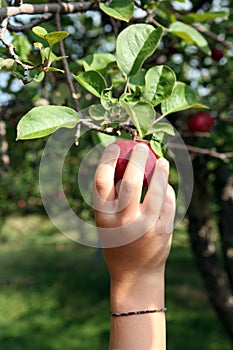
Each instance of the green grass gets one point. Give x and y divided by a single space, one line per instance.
54 293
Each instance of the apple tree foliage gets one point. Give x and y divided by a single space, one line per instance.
129 64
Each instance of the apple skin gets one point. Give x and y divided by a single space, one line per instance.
200 122
217 54
126 147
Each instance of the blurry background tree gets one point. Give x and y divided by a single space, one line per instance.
197 43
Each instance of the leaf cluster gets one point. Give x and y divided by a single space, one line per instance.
147 95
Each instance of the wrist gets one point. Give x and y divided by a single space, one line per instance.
137 294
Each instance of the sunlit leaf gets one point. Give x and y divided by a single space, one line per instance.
160 81
53 69
134 45
39 31
182 98
119 9
205 16
156 147
7 64
92 81
161 127
44 120
190 35
37 75
142 115
97 61
55 37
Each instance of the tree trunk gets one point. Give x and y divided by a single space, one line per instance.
224 194
215 278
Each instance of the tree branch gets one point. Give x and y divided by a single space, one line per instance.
25 27
66 65
8 44
45 8
4 157
209 152
213 36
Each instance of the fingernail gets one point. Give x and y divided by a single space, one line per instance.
142 147
113 147
163 163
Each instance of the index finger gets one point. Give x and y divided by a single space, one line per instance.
104 177
155 196
131 186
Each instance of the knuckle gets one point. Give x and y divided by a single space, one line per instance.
99 182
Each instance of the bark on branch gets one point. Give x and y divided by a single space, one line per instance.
216 279
45 8
224 192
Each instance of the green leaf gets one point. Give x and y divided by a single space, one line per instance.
22 46
40 46
97 61
206 16
142 115
161 127
55 37
53 69
39 31
190 35
44 120
134 45
37 75
182 98
97 112
92 81
156 147
119 9
48 54
7 64
102 139
160 81
137 80
107 101
52 37
19 72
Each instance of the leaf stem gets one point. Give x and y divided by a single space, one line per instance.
158 119
127 87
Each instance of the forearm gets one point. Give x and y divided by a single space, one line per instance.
138 332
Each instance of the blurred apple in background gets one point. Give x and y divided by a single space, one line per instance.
217 54
200 122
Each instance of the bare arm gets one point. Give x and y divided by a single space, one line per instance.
137 267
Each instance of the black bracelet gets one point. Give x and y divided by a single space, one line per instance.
140 312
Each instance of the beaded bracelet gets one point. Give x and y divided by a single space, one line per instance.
140 312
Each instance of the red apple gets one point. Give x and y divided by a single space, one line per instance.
200 122
21 204
12 121
126 147
217 54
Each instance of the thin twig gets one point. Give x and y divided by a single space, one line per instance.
226 120
151 19
109 130
213 36
66 65
10 46
209 152
25 27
